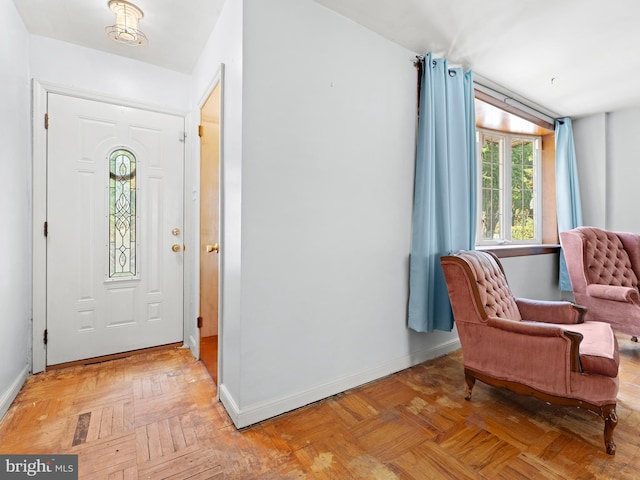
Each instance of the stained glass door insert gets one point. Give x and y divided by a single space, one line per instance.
122 214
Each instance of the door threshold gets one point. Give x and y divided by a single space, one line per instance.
113 356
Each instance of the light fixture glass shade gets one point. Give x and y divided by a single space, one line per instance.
125 29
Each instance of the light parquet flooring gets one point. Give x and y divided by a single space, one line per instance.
154 416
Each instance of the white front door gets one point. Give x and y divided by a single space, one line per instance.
114 221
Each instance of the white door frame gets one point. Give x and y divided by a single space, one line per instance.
218 79
40 90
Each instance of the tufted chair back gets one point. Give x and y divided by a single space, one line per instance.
606 262
604 268
487 283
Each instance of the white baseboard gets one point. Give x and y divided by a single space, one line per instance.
230 405
194 346
257 413
12 392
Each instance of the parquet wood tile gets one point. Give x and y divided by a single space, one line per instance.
525 467
154 416
430 460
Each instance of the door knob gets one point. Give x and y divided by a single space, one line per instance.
177 247
213 248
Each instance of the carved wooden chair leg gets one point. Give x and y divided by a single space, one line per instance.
610 421
470 381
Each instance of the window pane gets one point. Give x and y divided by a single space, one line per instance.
522 181
122 214
491 188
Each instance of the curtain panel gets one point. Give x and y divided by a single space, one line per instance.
444 208
569 206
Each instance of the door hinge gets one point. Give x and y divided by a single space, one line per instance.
200 130
199 322
45 337
46 121
46 229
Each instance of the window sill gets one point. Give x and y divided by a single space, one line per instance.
505 251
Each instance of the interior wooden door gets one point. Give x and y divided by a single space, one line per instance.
209 229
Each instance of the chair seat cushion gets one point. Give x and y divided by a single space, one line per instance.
598 349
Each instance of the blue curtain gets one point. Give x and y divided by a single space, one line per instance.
567 190
444 206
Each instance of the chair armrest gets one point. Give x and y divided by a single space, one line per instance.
526 328
611 292
540 329
557 312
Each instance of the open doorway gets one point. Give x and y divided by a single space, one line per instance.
209 131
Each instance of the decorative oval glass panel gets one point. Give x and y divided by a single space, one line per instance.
122 214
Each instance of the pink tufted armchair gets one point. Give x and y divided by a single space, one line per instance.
539 348
604 268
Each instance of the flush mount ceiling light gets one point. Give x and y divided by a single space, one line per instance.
125 29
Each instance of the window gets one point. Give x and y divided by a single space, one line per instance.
122 214
509 207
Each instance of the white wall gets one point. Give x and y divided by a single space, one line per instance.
609 168
327 181
69 65
15 198
224 47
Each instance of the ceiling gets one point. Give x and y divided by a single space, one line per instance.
177 29
568 57
571 57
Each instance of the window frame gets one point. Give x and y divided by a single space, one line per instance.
506 187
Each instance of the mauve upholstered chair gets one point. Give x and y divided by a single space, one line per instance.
544 349
604 268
